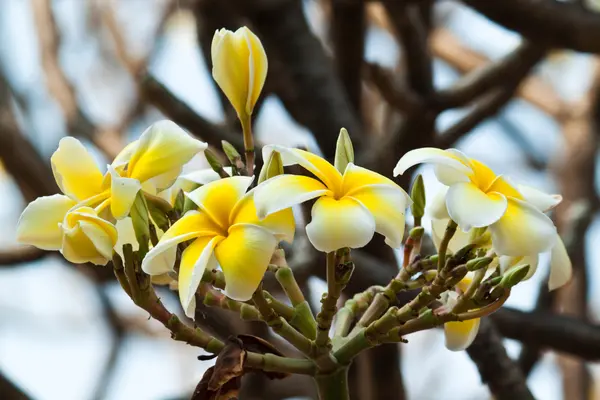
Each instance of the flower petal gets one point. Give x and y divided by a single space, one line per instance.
39 224
87 237
75 171
122 193
193 224
540 200
162 148
437 206
280 223
507 263
244 257
459 335
197 257
218 198
433 156
387 204
472 208
339 223
561 269
356 177
258 66
318 166
458 241
126 236
285 191
523 229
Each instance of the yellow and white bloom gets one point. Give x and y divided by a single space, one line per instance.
239 68
460 334
153 163
477 197
227 231
350 208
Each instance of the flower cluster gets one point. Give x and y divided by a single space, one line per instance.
188 225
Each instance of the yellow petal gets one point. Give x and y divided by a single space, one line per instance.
356 177
126 236
470 208
193 224
561 269
523 229
75 171
540 200
163 148
503 186
87 237
280 223
197 257
218 198
230 53
339 223
123 192
244 257
386 203
39 224
483 176
460 335
258 65
433 156
318 166
285 191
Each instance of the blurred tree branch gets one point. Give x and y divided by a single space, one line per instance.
10 391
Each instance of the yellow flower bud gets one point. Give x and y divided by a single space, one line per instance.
87 237
239 67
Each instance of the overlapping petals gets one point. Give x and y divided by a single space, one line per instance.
477 198
225 231
350 208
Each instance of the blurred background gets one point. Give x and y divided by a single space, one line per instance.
514 84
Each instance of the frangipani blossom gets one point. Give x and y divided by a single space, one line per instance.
560 263
225 231
477 197
460 334
153 163
350 208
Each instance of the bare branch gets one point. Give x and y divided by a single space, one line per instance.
21 254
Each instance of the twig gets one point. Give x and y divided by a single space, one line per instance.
19 255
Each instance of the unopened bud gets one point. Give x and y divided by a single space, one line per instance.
141 221
479 263
232 154
416 233
272 167
417 193
215 164
514 276
344 152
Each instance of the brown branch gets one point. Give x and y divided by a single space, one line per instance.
551 23
10 391
22 254
400 97
348 26
496 368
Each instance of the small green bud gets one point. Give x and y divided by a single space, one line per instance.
417 194
232 154
416 233
215 164
141 221
158 209
479 263
179 201
344 152
273 167
514 276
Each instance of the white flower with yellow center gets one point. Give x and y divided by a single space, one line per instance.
350 208
153 163
225 231
477 197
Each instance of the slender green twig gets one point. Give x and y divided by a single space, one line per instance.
448 234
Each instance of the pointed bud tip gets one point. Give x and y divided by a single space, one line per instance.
514 276
344 151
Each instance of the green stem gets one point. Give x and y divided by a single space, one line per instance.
248 143
273 363
333 386
328 305
450 231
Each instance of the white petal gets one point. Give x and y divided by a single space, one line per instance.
523 229
561 268
433 156
540 200
458 241
506 263
39 224
437 205
285 191
470 208
459 335
123 193
339 223
126 236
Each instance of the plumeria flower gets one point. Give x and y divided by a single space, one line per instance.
477 197
560 263
151 163
225 231
190 181
350 208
